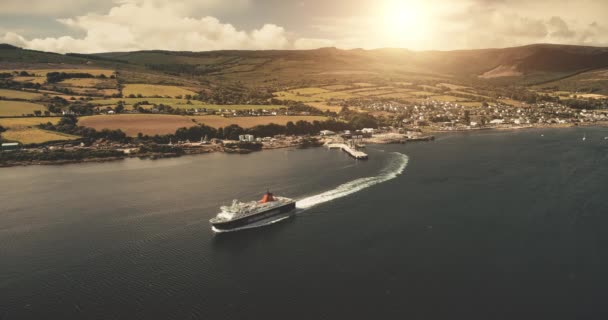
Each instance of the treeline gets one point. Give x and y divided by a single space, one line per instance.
586 104
232 132
57 155
236 95
54 77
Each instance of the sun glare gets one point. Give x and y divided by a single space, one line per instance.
403 21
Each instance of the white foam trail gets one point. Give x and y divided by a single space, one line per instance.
394 169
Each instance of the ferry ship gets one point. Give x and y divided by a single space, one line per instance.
244 215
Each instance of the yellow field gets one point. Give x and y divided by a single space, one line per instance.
18 108
422 93
38 80
592 96
448 98
21 123
370 93
248 122
308 91
18 94
89 82
336 87
323 106
284 95
396 95
149 90
132 124
470 104
35 135
452 86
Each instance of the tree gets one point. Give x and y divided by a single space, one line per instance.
37 113
232 132
467 117
120 107
2 129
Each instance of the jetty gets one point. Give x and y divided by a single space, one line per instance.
353 152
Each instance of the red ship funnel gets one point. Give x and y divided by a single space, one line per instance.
267 198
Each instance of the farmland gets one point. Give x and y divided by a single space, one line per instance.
17 123
18 94
18 108
132 124
23 130
35 135
89 82
248 122
148 90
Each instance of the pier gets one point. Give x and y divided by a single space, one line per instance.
353 152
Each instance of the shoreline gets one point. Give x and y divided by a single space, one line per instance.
544 126
190 151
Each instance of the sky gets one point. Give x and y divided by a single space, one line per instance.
88 26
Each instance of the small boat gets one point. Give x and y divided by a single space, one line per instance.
585 137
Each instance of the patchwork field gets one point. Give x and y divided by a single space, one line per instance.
132 124
18 108
18 94
183 104
248 122
148 90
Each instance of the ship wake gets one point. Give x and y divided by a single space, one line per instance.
392 171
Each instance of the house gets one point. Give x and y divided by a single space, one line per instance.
9 146
246 138
327 133
368 130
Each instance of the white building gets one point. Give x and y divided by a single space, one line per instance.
368 130
247 138
327 133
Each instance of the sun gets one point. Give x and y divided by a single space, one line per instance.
403 20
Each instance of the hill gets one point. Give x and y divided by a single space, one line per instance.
533 64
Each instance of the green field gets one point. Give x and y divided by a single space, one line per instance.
18 108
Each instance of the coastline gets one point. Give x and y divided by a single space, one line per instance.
190 150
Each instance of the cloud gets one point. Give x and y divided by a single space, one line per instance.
46 7
137 25
560 28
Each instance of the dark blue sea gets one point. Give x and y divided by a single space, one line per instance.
492 225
